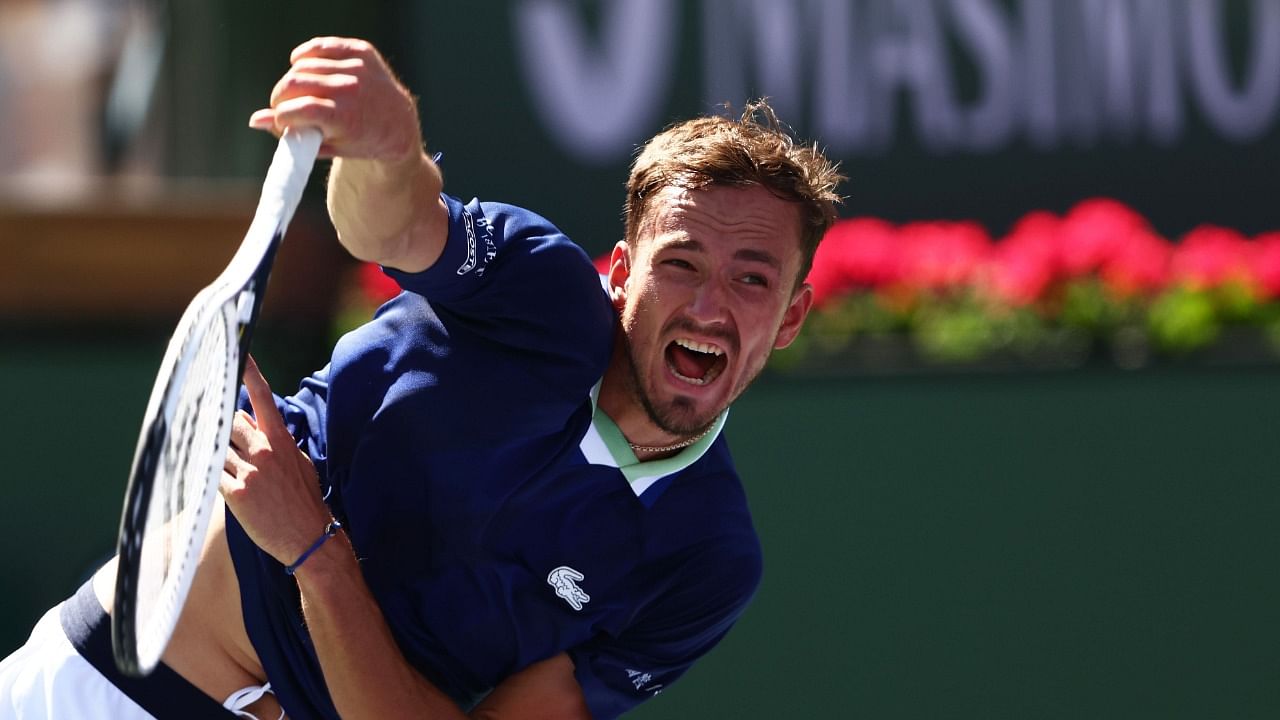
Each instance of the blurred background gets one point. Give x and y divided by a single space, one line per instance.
1023 463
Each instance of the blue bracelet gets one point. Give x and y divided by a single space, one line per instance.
329 531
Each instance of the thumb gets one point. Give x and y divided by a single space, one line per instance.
264 119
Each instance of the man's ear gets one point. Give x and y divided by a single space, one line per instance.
793 318
619 272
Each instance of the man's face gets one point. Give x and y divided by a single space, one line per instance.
706 293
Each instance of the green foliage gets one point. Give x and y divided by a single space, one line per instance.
1182 320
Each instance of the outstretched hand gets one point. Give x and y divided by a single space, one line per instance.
344 87
267 481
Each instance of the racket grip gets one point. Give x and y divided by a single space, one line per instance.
304 141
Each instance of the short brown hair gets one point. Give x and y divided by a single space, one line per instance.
754 150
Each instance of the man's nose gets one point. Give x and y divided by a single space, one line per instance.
709 304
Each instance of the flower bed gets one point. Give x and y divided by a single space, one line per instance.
1056 291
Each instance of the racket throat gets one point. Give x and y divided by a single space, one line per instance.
245 305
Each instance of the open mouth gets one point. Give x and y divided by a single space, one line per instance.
694 362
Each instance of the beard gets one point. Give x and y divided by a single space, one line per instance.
678 416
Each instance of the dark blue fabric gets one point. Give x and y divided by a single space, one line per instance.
164 693
446 433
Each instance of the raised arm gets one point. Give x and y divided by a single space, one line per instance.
384 191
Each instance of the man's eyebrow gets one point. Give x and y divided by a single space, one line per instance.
760 256
742 254
682 244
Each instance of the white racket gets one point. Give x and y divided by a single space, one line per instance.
187 426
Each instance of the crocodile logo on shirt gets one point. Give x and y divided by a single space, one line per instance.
565 580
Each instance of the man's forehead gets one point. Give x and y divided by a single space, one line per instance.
757 231
670 204
733 206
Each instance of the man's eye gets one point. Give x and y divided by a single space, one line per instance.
678 263
753 279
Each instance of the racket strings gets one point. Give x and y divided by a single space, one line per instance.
194 449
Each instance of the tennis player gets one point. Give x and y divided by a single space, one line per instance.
508 494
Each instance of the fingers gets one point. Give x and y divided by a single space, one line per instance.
299 84
327 66
243 430
333 47
344 88
318 113
321 68
236 466
244 439
265 119
308 112
269 421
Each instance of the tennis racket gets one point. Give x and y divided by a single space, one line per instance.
187 427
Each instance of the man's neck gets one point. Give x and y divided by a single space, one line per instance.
619 400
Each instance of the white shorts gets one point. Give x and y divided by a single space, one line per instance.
66 670
47 678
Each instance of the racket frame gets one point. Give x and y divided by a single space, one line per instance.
234 300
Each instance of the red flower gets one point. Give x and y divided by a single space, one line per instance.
1267 263
1211 256
1025 262
1138 265
856 253
377 285
942 255
1092 233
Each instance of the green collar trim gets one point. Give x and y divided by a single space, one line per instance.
605 444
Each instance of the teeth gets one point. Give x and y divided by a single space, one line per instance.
706 349
699 347
692 381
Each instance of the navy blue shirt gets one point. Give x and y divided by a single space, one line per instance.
499 518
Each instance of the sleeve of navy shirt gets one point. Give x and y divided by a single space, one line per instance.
519 308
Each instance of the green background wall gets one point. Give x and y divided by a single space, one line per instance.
478 103
1079 544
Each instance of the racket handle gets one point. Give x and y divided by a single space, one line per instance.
303 142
